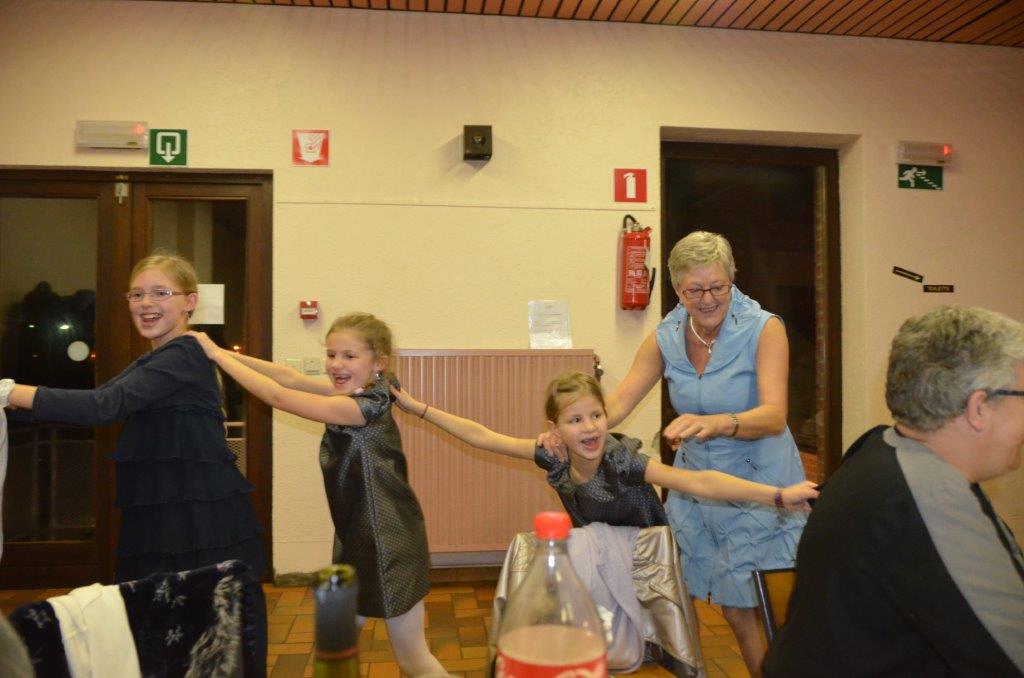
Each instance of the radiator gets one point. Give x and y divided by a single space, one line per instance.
476 501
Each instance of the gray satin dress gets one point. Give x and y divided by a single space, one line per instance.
378 522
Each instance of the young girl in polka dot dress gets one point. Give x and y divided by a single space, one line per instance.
378 523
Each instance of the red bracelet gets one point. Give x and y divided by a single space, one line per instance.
778 498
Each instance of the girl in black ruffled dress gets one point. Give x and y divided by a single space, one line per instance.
377 520
183 502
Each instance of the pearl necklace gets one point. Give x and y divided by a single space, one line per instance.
707 344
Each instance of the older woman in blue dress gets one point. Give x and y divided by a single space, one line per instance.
726 361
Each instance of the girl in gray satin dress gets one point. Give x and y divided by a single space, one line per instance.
378 523
605 478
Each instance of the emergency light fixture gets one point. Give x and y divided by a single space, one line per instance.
923 153
131 134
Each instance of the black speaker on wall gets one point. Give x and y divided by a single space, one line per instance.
476 142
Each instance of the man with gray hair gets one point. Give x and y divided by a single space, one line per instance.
904 568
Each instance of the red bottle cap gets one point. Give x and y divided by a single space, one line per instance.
552 525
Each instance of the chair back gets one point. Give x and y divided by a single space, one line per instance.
774 587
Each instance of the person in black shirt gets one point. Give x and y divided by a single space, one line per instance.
904 568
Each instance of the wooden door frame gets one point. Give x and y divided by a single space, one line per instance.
828 321
116 218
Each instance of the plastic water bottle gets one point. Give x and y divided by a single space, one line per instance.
550 626
337 633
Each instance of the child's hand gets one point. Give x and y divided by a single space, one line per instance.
406 402
552 442
795 496
209 348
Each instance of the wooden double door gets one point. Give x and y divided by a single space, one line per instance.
68 241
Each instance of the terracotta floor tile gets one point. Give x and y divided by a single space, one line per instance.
465 664
289 648
446 648
472 635
277 633
289 666
304 623
442 632
474 652
301 637
384 670
734 668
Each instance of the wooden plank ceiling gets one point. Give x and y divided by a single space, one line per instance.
978 22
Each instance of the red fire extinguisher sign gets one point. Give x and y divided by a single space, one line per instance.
636 278
630 185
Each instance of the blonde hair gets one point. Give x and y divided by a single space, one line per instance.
697 249
178 268
567 388
374 331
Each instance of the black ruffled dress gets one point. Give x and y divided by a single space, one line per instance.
183 502
378 522
617 494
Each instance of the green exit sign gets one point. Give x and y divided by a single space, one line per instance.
168 147
923 177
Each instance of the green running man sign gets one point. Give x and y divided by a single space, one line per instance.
923 177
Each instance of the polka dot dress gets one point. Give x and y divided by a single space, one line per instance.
378 522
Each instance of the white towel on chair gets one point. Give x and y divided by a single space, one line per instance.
602 556
94 628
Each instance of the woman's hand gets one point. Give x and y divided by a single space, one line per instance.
698 427
552 442
207 344
407 403
795 497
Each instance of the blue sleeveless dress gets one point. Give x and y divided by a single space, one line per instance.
720 542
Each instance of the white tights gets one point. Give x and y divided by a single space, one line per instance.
409 644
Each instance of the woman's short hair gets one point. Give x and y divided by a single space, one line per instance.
940 358
697 249
567 388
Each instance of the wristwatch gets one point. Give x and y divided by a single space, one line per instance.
6 386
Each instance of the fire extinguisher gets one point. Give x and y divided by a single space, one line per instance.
636 278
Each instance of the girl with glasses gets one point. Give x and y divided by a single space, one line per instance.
183 502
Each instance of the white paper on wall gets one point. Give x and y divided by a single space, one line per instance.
549 323
210 310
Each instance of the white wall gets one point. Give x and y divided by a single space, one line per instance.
450 252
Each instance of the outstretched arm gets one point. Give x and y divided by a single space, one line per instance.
466 430
286 376
717 485
329 409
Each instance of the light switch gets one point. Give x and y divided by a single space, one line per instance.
312 365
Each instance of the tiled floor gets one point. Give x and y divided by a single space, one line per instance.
458 620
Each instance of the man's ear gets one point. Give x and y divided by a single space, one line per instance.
977 410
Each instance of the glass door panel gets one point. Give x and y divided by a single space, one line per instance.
47 338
